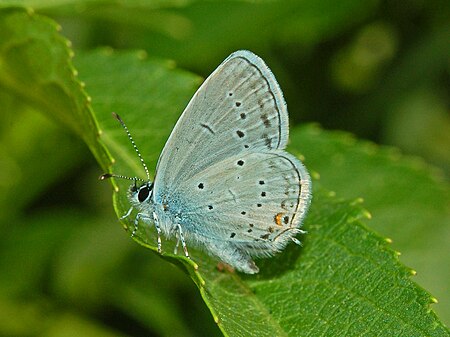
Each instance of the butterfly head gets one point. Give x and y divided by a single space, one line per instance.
140 194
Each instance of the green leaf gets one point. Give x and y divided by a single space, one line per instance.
408 200
340 255
344 281
188 31
35 66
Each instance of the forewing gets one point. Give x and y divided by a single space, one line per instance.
254 201
238 109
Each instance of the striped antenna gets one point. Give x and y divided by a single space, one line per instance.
112 175
116 116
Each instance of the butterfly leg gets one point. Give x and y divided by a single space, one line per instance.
136 224
183 242
296 241
175 250
139 216
127 214
158 231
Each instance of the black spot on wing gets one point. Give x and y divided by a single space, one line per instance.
207 127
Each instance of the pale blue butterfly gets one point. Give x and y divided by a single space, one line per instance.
223 181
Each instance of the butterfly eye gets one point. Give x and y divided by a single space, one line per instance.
143 193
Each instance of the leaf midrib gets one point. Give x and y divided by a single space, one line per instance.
250 295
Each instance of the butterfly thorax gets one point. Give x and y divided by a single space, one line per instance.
143 200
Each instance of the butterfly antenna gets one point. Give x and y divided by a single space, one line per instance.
116 116
112 175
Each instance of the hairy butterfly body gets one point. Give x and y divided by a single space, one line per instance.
223 181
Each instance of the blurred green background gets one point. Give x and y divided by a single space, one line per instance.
378 69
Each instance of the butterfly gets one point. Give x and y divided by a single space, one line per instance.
224 182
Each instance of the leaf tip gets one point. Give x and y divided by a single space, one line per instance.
357 201
367 214
388 240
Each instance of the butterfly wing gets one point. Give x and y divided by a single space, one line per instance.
239 108
254 201
223 171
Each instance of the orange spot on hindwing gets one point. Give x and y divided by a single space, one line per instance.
278 218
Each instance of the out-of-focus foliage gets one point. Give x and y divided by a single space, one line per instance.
377 69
